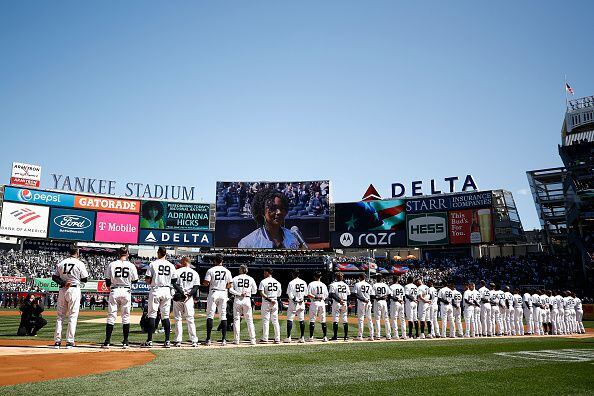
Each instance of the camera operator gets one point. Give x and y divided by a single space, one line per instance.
31 318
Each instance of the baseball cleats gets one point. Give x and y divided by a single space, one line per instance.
325 339
224 343
57 345
147 344
125 344
207 343
105 345
177 344
69 345
302 340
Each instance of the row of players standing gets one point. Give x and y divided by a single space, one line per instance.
416 301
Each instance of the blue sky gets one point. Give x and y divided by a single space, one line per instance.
188 92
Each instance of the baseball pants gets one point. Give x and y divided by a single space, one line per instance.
447 315
486 319
364 312
270 313
67 307
184 310
397 314
120 299
242 306
380 308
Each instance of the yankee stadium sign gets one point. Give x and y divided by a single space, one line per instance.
130 189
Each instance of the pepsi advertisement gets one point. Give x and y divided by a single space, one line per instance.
72 224
37 197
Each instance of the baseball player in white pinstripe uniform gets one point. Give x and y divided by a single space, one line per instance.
339 293
119 277
397 308
243 287
70 273
296 291
189 281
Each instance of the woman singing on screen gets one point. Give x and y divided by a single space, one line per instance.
269 209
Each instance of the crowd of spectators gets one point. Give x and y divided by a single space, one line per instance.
305 198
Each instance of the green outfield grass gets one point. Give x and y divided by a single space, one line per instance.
417 367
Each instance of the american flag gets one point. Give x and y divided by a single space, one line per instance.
568 89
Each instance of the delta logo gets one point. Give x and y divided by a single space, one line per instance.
25 215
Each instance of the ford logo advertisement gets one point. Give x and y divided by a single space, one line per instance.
71 224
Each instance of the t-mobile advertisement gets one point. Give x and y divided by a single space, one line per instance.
116 228
471 226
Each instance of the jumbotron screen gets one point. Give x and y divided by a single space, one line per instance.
273 215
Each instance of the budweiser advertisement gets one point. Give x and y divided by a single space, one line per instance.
470 226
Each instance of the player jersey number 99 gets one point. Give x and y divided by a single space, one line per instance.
164 270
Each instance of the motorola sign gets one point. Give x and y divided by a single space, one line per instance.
427 229
371 239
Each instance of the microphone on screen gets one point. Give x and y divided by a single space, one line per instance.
297 234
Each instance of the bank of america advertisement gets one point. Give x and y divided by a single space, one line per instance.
427 229
369 224
24 220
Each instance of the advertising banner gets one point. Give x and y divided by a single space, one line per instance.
78 225
273 215
116 228
427 229
106 204
26 175
449 202
162 215
13 279
471 226
140 287
38 197
46 284
175 238
369 224
24 220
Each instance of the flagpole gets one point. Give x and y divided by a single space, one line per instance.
565 89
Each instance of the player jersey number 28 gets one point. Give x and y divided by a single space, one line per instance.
243 283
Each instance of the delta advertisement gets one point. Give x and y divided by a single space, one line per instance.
427 229
163 215
442 203
71 224
116 228
471 226
175 238
369 224
24 220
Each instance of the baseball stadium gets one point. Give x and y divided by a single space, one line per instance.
359 199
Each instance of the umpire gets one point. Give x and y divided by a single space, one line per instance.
31 319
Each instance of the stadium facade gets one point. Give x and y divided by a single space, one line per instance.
564 196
